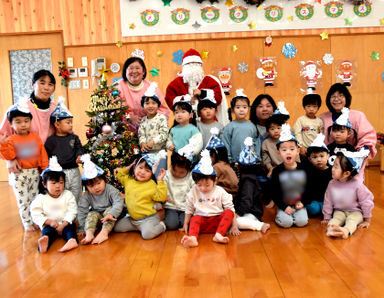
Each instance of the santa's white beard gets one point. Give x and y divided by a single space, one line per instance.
192 74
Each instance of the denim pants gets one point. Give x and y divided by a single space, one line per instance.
174 219
299 218
68 232
315 208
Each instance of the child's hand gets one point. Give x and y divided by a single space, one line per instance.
270 172
196 92
13 166
169 199
78 159
52 223
289 210
150 144
3 139
108 217
143 147
325 222
61 227
161 175
184 229
299 205
303 150
365 224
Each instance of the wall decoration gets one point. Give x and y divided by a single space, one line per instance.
167 2
119 43
115 67
150 17
273 13
328 58
159 53
375 56
362 9
234 48
382 22
346 72
204 54
225 75
268 41
242 67
238 14
132 26
334 9
180 16
252 25
324 35
178 57
289 50
310 73
348 21
210 14
267 70
154 72
304 11
63 73
229 3
290 18
196 25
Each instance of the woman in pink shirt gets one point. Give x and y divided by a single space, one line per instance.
133 86
40 105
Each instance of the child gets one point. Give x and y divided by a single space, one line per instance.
55 211
225 175
101 202
281 113
319 175
141 192
182 133
209 207
340 131
248 203
269 153
308 126
237 130
28 149
153 130
288 183
179 182
347 198
66 146
207 109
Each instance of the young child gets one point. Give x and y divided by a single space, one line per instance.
225 175
281 113
269 153
28 149
66 146
237 130
248 204
153 130
179 182
347 198
55 210
209 207
288 183
319 175
207 109
183 132
340 131
100 202
141 192
308 126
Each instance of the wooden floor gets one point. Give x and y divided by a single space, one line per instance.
297 262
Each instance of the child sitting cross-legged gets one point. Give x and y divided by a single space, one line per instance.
288 183
319 175
141 193
348 203
55 210
209 207
101 203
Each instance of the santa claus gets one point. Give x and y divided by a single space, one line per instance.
311 74
192 81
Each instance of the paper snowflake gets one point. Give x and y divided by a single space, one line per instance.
328 58
178 57
242 67
289 50
138 53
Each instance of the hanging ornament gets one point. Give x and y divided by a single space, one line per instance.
224 76
334 9
242 67
267 70
238 14
106 129
90 133
273 13
289 50
363 8
180 16
304 11
150 17
210 14
268 41
328 58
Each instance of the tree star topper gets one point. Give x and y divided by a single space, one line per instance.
103 73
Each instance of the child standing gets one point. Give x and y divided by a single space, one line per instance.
319 175
66 146
288 183
207 109
100 202
308 126
237 130
225 175
153 130
347 198
141 192
340 131
183 132
209 207
55 211
269 153
28 149
179 182
248 204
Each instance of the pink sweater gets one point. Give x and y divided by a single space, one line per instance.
366 134
133 99
40 124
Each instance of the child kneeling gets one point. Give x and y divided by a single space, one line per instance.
209 207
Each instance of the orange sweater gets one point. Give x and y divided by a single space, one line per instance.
28 150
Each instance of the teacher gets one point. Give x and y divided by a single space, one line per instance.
133 86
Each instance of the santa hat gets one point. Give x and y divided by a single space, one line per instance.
53 166
153 159
319 142
61 111
309 63
343 119
286 135
205 166
248 156
240 93
265 60
346 62
214 142
151 93
90 169
192 56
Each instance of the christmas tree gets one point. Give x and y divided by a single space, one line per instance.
112 141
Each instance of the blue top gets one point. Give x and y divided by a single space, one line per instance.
234 135
182 134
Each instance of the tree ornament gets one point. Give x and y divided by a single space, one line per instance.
106 129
